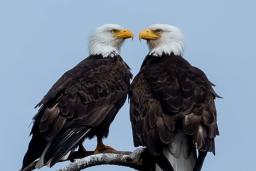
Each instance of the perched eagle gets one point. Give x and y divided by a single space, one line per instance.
172 102
83 102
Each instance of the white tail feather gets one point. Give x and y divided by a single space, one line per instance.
179 154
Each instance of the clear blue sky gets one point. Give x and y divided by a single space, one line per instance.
40 40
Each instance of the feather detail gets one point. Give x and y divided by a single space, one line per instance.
180 154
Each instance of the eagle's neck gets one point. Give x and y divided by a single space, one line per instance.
105 51
166 47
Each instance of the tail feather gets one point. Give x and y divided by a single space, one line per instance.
61 145
179 153
163 163
35 149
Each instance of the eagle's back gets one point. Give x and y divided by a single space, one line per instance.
169 95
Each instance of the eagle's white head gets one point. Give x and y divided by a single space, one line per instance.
163 38
108 39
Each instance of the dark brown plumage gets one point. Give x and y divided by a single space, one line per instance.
81 104
167 95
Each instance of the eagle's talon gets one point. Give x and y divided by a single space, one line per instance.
102 148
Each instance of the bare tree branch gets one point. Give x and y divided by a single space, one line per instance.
138 160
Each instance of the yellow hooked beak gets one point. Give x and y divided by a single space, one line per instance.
123 34
148 34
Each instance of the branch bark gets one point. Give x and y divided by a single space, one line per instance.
139 160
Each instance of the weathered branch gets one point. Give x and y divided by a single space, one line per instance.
138 160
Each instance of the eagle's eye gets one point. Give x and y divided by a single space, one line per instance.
114 30
158 30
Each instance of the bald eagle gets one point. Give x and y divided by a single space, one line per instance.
83 102
172 102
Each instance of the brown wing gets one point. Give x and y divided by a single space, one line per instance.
84 94
86 97
151 126
166 90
